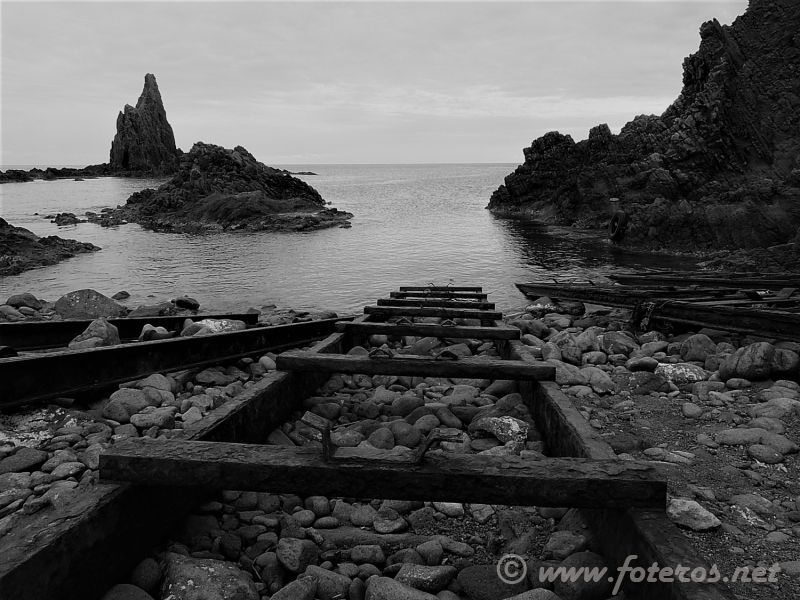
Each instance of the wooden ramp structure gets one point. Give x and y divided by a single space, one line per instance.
747 310
623 500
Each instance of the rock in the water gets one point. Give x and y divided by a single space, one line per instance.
22 250
689 513
144 141
219 188
99 333
88 304
187 578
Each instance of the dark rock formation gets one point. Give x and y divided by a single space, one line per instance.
217 188
21 250
144 140
719 169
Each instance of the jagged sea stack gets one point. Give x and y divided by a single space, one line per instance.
719 169
144 141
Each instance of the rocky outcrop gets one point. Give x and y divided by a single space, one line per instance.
144 140
220 189
21 250
719 169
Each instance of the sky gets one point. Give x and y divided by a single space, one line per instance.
340 82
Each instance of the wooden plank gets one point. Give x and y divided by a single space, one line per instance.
709 278
780 324
431 311
79 371
439 288
472 367
34 335
646 533
446 295
80 551
425 330
442 303
441 477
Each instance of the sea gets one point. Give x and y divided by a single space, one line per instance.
413 224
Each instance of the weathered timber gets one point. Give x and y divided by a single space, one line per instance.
646 533
621 296
472 367
442 303
441 294
81 550
439 288
424 329
432 311
734 280
781 324
36 335
80 371
445 477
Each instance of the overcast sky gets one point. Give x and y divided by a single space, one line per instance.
329 82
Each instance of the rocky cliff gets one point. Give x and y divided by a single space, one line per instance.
219 188
144 140
20 249
719 169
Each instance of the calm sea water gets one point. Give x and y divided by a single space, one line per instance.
413 225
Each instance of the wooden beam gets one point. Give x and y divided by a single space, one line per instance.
451 295
80 371
55 552
439 288
34 335
436 302
425 330
402 364
431 311
441 477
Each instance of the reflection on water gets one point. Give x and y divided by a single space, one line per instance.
414 224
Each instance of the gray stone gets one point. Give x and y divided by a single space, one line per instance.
691 410
690 514
480 582
561 544
24 459
163 418
25 299
426 578
753 362
303 588
330 585
147 575
88 304
682 373
99 333
739 437
580 589
187 578
295 555
642 363
697 347
764 454
367 553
